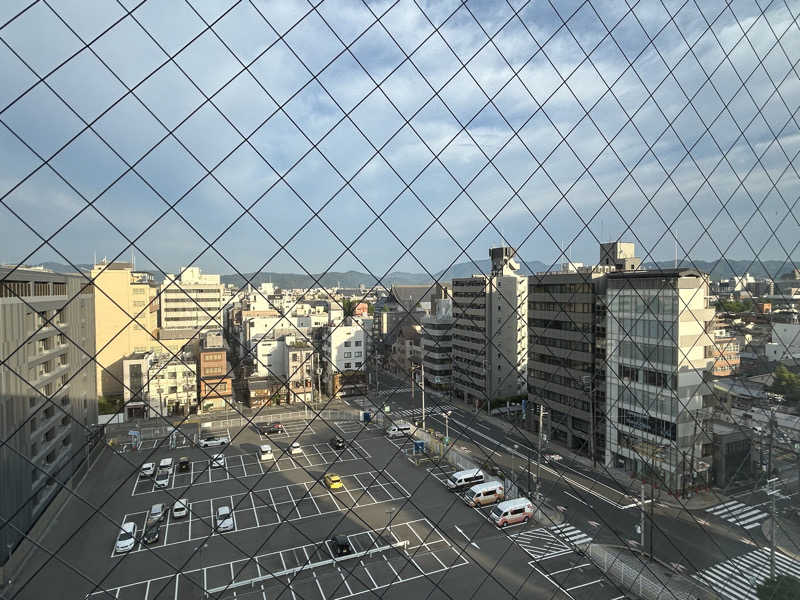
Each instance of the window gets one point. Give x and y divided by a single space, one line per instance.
347 365
348 354
358 365
357 354
358 343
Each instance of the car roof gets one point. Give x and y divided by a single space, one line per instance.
340 538
333 475
129 526
148 464
224 508
507 504
489 485
466 473
157 507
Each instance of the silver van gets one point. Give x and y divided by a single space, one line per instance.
166 463
464 479
399 429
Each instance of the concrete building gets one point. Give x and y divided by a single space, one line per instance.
437 345
656 352
214 381
193 300
566 366
344 349
126 320
286 360
724 352
490 333
48 390
785 344
159 384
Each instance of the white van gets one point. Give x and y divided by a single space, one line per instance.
265 452
485 493
166 463
511 512
464 479
399 429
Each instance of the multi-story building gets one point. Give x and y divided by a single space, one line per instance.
344 354
724 352
287 362
567 348
490 333
191 301
785 344
126 319
566 366
48 390
656 351
437 344
158 384
215 384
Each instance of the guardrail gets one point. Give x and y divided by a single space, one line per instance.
293 570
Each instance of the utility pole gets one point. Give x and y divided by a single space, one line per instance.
422 376
772 492
539 462
641 524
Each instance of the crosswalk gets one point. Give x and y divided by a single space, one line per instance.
739 514
548 542
415 413
738 578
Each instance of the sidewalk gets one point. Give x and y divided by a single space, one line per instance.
787 536
626 484
645 578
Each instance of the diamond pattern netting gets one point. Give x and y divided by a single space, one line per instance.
687 144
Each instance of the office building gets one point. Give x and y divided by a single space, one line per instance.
214 376
48 390
490 333
192 300
159 384
437 344
126 311
656 350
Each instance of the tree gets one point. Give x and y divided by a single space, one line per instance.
786 383
783 587
348 307
734 306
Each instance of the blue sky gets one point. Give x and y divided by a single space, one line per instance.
385 115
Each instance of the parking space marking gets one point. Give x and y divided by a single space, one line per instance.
329 579
201 473
201 520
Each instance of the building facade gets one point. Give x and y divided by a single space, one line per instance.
657 334
490 333
214 381
48 390
159 384
437 345
192 300
126 311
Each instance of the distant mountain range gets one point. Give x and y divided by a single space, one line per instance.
719 269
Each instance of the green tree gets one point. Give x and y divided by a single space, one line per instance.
786 383
783 587
370 309
734 306
348 306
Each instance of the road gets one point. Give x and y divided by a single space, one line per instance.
593 501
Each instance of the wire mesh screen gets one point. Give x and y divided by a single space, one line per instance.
326 299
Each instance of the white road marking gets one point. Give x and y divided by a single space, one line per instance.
576 498
466 537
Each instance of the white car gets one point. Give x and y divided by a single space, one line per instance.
162 478
148 469
180 509
214 440
295 448
224 519
218 461
126 538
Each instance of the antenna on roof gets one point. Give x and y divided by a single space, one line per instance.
676 254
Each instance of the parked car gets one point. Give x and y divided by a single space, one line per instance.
148 469
180 509
337 443
224 519
184 464
156 512
152 529
162 478
265 452
274 427
126 539
341 545
218 461
295 448
333 481
214 440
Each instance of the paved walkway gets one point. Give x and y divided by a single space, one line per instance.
787 536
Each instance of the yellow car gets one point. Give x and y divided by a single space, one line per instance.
333 481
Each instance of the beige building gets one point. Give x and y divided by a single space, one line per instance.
126 311
193 300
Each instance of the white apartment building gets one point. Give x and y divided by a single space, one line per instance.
345 348
191 301
490 333
437 345
657 333
785 344
158 384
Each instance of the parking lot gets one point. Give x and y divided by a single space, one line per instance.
404 552
271 506
238 466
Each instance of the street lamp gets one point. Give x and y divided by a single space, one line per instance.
421 367
446 415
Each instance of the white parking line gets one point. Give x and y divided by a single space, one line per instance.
255 512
